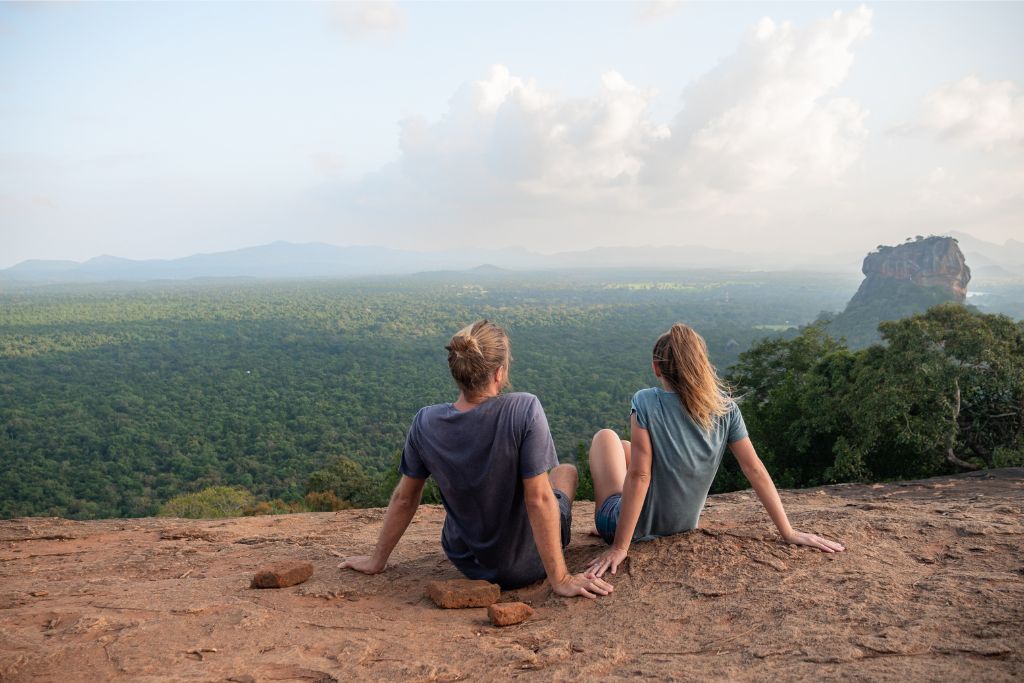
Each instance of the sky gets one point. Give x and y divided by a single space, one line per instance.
159 130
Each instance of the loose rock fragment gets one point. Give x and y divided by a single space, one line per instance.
508 613
463 593
282 575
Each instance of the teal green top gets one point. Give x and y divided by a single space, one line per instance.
684 461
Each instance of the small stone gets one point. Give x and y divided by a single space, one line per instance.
508 613
463 593
39 594
282 575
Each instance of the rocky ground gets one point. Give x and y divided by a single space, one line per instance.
931 588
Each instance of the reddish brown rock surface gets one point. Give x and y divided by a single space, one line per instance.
282 575
459 593
931 588
509 613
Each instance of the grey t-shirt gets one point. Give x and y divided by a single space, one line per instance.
684 461
479 459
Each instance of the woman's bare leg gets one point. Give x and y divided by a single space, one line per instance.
609 458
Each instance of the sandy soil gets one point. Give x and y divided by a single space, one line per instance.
930 588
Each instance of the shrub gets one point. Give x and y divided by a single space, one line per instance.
210 503
274 507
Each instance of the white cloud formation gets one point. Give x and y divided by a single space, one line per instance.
978 114
763 153
367 18
505 135
761 119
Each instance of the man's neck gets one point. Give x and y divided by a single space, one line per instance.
463 403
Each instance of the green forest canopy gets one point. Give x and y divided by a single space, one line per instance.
116 399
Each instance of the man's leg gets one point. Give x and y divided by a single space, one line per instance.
565 478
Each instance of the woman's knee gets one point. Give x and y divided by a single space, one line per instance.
605 437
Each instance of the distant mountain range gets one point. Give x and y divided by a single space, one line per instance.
289 260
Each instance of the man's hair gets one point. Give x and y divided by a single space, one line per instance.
475 353
682 358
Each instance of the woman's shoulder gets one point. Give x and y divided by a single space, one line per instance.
647 394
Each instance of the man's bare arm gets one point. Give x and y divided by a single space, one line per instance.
542 509
401 509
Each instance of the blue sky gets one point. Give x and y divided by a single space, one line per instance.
162 129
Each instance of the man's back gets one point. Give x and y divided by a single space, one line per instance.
479 458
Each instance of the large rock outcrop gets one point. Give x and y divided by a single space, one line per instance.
901 281
926 262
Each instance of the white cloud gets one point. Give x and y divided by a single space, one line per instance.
653 10
978 114
763 117
367 18
756 137
505 135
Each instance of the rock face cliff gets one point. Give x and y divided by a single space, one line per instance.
927 262
901 281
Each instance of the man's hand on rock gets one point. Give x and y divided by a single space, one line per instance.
572 585
363 563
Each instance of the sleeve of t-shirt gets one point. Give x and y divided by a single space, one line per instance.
737 427
638 407
412 465
537 450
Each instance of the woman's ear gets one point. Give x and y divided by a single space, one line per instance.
501 376
654 366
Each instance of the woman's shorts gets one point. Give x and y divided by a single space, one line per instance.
607 517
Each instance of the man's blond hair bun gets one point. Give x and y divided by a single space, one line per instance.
475 353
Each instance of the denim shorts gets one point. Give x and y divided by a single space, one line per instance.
564 515
606 518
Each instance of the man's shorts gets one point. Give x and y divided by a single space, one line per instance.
564 515
607 517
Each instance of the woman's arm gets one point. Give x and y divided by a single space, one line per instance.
764 487
402 508
634 492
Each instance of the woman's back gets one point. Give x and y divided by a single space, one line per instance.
684 460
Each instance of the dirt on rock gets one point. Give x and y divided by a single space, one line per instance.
931 587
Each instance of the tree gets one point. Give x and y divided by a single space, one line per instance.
960 379
346 479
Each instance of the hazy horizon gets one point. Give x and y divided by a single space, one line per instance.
146 130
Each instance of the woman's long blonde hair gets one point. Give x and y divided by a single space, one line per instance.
682 359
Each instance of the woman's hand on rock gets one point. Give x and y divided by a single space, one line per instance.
814 541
